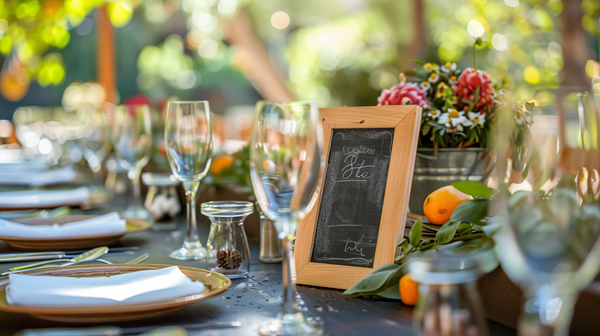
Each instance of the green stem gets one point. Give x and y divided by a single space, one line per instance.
474 55
467 237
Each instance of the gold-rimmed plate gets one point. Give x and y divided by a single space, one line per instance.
70 243
215 284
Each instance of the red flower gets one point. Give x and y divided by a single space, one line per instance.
403 94
137 100
468 82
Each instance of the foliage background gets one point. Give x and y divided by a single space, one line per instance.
337 52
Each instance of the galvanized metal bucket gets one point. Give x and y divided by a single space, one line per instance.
449 165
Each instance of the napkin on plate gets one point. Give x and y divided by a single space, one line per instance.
95 226
43 198
130 288
38 177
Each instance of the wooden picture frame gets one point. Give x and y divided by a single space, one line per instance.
406 122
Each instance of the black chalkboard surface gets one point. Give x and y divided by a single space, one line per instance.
352 196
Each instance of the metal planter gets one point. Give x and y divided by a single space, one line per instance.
449 165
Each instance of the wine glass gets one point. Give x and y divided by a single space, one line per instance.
286 168
548 211
95 138
132 140
188 141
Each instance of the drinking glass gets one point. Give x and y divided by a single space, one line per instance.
95 138
547 206
286 168
188 141
132 140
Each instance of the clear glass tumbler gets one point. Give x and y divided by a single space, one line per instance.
448 303
227 250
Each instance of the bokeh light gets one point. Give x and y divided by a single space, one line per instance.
475 28
280 20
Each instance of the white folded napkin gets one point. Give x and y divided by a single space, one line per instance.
43 198
23 166
96 226
38 177
130 288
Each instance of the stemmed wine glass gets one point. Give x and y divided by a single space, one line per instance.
96 137
548 209
188 141
132 140
286 167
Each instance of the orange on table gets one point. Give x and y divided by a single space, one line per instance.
221 163
440 204
409 290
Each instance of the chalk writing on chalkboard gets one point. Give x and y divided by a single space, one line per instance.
352 197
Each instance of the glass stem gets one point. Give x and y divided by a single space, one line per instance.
134 175
191 237
542 315
289 304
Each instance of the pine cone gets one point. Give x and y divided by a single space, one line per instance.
229 259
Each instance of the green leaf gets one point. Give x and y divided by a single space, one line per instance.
431 226
419 62
391 292
404 244
414 237
447 232
530 106
426 128
475 189
470 211
375 282
464 229
429 244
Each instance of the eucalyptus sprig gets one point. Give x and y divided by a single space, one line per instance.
465 225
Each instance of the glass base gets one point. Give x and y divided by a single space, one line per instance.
291 324
189 251
271 260
136 212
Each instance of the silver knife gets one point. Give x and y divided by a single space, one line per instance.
115 331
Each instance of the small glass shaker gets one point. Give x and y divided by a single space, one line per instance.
270 244
227 250
162 200
449 303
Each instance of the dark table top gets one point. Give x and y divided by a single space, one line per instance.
252 300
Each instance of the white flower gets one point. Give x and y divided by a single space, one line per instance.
519 117
453 119
434 77
402 78
425 86
452 80
448 67
434 113
475 118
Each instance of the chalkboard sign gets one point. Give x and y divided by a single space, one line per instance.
360 214
350 209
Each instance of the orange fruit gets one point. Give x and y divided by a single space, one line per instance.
409 290
440 204
221 163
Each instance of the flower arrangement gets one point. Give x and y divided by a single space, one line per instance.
458 105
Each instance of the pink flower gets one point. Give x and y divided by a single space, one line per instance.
403 94
468 82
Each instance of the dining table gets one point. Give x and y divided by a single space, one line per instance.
251 300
